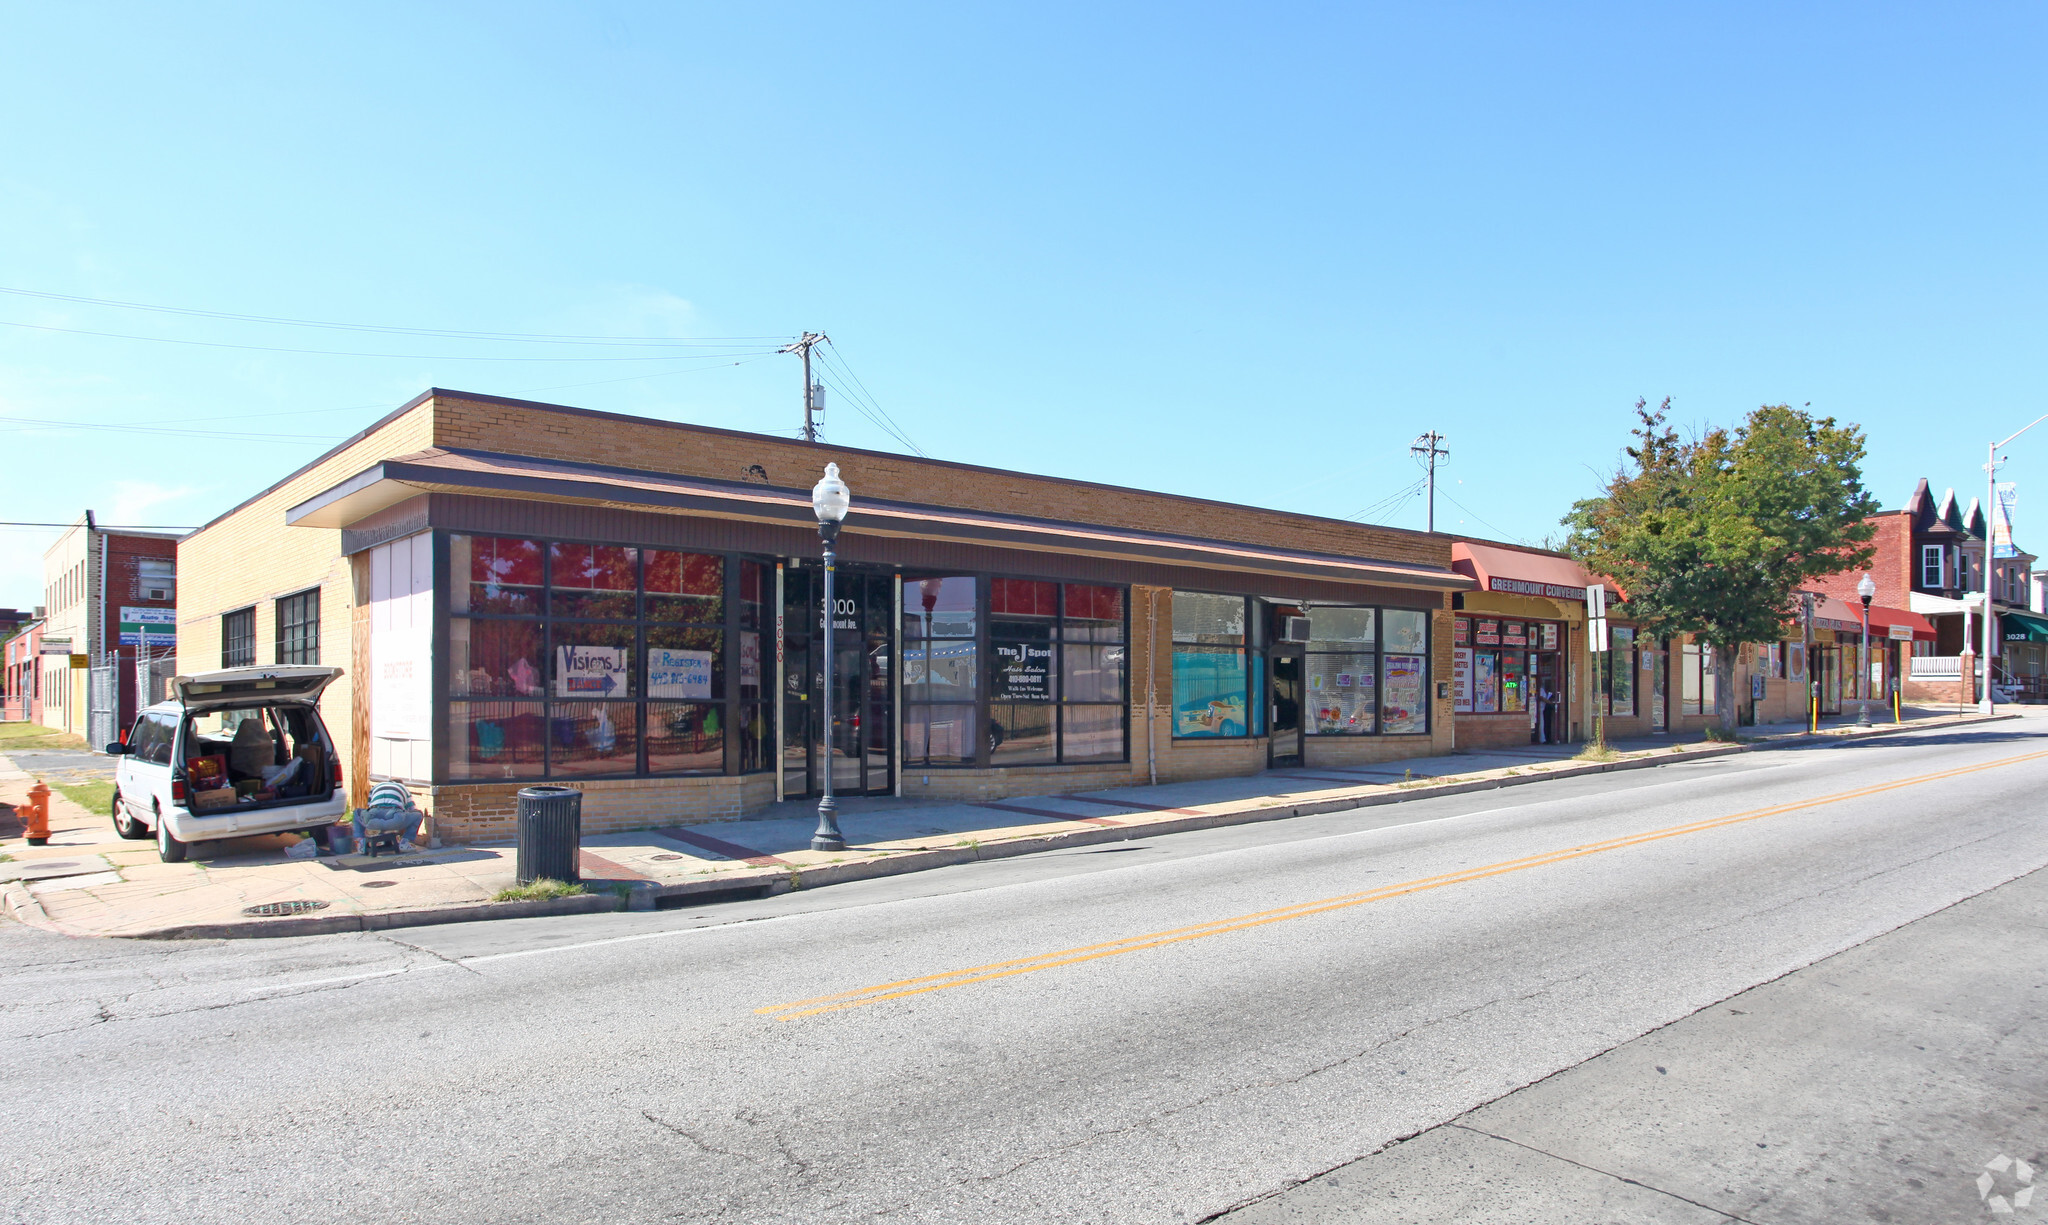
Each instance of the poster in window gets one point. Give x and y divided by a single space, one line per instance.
596 672
1404 708
1208 693
1461 680
1550 635
1489 633
1485 683
1461 632
1514 634
1514 698
1023 672
1342 693
679 674
750 660
1795 654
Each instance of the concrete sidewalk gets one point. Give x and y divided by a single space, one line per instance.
88 882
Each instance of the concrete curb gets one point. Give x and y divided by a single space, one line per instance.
23 905
322 925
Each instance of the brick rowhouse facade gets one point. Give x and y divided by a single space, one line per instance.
1045 635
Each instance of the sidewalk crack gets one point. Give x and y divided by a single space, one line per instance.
1594 1169
457 962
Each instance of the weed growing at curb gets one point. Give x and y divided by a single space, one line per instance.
539 891
1596 752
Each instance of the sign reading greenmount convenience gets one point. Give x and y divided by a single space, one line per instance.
1516 586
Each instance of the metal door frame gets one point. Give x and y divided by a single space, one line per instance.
812 711
1300 754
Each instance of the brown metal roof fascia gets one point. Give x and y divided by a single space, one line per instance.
591 484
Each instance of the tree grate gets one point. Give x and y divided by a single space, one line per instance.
272 910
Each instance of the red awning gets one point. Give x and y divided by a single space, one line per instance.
1514 572
1830 613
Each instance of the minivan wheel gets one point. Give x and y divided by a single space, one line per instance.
168 848
126 826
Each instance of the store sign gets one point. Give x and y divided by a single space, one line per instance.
1023 672
680 674
1516 586
55 646
592 672
1489 633
159 624
1550 636
1899 633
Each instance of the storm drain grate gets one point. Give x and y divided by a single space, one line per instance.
386 884
272 910
665 858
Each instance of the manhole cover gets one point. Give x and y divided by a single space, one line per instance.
386 884
272 910
665 857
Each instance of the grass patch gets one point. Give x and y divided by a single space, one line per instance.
1597 752
539 891
1718 736
93 797
36 736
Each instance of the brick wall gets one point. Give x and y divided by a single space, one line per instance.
1891 568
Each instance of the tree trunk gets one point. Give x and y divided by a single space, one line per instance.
1724 688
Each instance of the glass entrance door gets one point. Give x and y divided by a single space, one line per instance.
849 725
1284 710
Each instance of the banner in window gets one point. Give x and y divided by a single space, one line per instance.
1461 680
1208 693
1403 707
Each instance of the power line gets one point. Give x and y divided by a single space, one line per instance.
565 338
433 357
1426 449
845 368
1387 504
1475 514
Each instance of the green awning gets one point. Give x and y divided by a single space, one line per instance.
2023 627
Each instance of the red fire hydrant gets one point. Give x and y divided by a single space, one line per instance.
36 815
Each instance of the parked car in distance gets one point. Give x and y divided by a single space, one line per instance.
237 752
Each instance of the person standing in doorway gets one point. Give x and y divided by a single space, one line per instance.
1546 718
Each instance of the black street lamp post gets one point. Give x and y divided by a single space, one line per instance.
830 499
1864 590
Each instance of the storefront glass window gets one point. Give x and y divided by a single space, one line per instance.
1021 733
1343 693
1405 692
941 671
493 574
1620 666
1514 681
1357 684
1210 677
620 669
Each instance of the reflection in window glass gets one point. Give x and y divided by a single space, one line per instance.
940 671
938 608
1092 673
1093 613
494 659
1208 619
593 738
1340 628
1020 733
495 574
593 580
938 735
1091 733
684 736
496 740
1407 630
687 587
1514 680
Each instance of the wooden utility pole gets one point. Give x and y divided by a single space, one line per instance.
803 347
1427 446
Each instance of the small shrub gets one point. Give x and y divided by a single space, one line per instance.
1597 752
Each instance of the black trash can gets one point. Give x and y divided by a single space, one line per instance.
550 833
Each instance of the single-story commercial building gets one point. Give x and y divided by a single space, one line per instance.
524 592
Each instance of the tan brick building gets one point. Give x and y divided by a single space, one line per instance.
525 591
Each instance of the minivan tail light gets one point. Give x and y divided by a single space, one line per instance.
337 774
177 790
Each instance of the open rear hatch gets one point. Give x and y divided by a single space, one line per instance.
250 686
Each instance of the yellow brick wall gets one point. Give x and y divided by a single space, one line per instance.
250 557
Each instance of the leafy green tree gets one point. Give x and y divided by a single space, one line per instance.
1713 536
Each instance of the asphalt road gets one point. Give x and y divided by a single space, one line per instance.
1155 1031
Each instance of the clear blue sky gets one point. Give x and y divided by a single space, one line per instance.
1241 253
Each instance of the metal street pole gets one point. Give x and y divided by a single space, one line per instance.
1863 662
830 499
1984 702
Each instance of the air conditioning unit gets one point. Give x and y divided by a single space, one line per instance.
1294 629
159 593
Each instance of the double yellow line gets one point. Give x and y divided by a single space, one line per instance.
904 988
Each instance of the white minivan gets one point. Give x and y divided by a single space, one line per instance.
254 735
